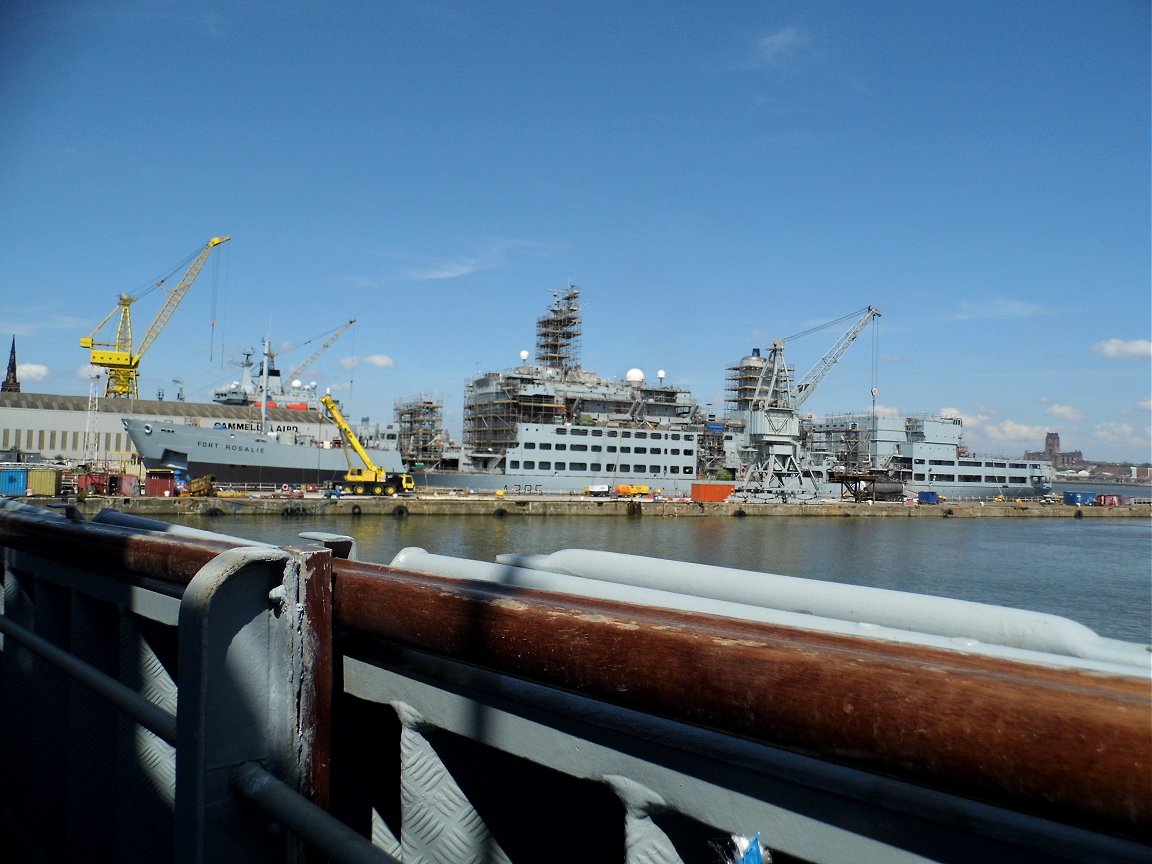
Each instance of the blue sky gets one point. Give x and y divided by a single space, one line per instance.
713 176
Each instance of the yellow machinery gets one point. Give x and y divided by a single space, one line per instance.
117 357
369 479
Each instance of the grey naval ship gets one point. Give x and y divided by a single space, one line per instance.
289 441
550 426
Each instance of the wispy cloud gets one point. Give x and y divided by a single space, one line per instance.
1121 433
1004 432
1065 412
1141 348
775 48
381 361
495 255
998 308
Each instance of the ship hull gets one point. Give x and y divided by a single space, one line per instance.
241 456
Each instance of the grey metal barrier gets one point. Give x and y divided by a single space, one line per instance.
175 696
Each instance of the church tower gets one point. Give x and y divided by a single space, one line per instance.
11 382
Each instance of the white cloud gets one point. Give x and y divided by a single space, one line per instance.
772 49
1011 432
31 371
1122 433
495 255
88 371
1065 412
381 361
1124 348
1146 403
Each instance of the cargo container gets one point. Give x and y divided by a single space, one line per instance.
14 482
92 483
1108 501
44 481
160 484
928 497
712 491
1078 499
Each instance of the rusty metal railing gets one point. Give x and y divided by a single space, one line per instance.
435 718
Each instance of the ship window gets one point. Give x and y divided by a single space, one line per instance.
579 446
654 469
561 446
625 449
611 448
612 433
944 478
515 463
969 478
675 451
625 434
998 464
597 433
919 462
560 466
919 477
529 445
687 470
967 463
641 449
689 437
675 436
994 480
596 448
596 466
529 465
675 469
641 434
544 445
656 436
610 468
577 466
1017 465
545 466
625 469
688 451
1017 479
942 462
579 431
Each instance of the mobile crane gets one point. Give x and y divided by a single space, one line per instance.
368 479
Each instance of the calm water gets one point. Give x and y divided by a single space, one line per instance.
1095 571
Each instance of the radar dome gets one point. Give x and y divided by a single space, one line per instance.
297 383
523 355
634 376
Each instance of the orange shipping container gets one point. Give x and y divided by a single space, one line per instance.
712 491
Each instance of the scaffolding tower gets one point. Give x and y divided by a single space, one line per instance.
421 437
558 332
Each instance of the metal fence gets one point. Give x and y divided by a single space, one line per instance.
168 695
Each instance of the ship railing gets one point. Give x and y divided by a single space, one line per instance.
170 694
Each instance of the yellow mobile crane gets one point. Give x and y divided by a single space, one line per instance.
370 479
122 363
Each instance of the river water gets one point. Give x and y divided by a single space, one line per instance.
1096 571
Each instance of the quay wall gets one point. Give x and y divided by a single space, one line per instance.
537 505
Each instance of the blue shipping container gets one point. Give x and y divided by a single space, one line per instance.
13 482
1074 498
928 497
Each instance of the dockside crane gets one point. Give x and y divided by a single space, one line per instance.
368 479
117 357
328 343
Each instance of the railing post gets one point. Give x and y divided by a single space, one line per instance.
255 686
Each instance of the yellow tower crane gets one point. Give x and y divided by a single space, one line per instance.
117 357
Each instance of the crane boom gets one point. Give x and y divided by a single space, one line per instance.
328 343
804 389
117 357
370 478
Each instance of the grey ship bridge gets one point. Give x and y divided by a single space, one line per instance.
173 695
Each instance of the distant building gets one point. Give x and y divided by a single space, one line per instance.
1061 461
11 382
